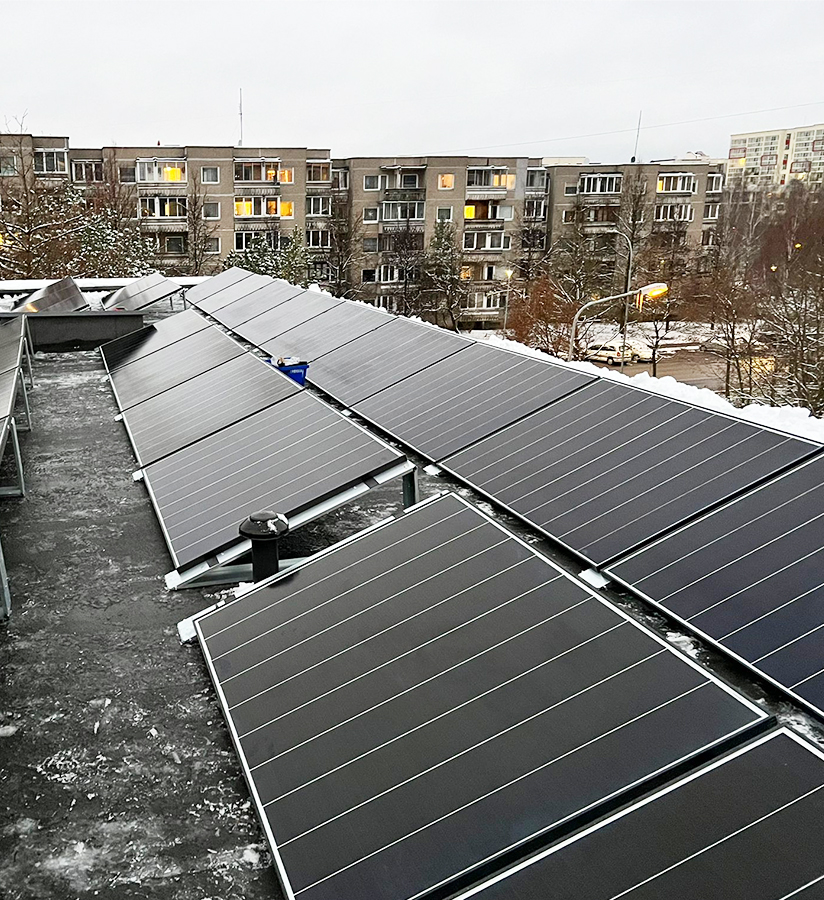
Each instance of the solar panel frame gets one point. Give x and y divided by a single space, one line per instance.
609 858
215 283
260 301
143 292
211 626
59 296
233 292
9 381
170 366
296 310
617 540
381 358
425 411
330 330
147 340
284 428
204 405
743 524
11 350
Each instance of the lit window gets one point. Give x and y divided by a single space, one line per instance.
47 162
444 214
287 209
371 182
466 273
318 172
370 214
209 174
271 206
286 176
469 211
255 206
163 207
265 170
211 245
211 210
243 207
446 182
271 173
676 183
159 171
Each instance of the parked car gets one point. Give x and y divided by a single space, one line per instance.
610 353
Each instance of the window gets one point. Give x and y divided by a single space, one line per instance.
385 301
318 172
286 176
211 210
211 245
569 216
674 212
534 209
175 243
492 240
318 206
497 241
371 182
388 274
370 245
800 165
409 180
570 190
711 210
287 209
489 178
469 211
444 214
708 237
255 207
264 170
87 170
50 161
394 212
536 179
469 240
496 211
601 214
318 270
533 240
317 238
340 179
209 175
600 184
370 214
369 276
157 171
715 181
387 243
676 183
245 240
446 182
163 207
127 174
8 165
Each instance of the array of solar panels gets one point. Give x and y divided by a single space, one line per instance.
602 467
219 433
143 292
427 702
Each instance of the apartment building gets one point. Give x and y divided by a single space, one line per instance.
501 207
760 159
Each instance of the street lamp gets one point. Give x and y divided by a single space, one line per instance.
648 292
509 273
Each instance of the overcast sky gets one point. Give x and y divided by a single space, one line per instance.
385 78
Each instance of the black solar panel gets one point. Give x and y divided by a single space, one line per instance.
381 358
140 343
8 392
60 296
466 397
289 458
203 405
209 286
746 828
233 292
423 698
256 303
143 292
298 309
610 467
750 576
163 369
327 332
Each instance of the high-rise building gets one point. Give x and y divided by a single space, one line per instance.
768 158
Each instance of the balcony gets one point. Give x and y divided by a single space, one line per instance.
403 195
268 189
484 224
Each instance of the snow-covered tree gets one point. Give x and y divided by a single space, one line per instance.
442 288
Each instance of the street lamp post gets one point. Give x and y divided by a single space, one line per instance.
508 273
649 291
627 280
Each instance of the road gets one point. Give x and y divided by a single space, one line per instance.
694 367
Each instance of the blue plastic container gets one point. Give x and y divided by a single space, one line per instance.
296 371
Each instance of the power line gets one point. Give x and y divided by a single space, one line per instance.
577 137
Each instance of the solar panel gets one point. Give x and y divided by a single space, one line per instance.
289 458
750 576
203 405
11 345
8 392
209 286
381 358
60 296
466 397
327 332
140 343
143 292
747 827
432 694
163 369
610 467
256 303
233 292
286 315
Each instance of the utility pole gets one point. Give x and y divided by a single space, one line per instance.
240 111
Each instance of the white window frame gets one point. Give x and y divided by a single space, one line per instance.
265 166
289 178
310 163
540 205
676 183
322 244
262 203
61 157
155 167
441 176
570 190
666 212
285 215
715 180
212 252
84 163
495 209
544 179
385 272
439 217
377 186
342 178
714 209
324 204
394 206
156 205
600 183
204 180
370 210
408 187
211 203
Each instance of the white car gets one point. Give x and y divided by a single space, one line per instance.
610 353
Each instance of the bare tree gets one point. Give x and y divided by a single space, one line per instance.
345 250
444 290
406 253
200 230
